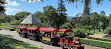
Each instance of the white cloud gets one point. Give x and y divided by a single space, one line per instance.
9 3
31 0
9 10
107 15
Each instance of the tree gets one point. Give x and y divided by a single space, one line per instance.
102 12
6 19
62 13
2 9
51 16
37 14
109 16
15 22
21 15
87 7
100 25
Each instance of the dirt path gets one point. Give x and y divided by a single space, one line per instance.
15 35
96 36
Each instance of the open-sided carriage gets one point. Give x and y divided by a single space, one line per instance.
50 36
68 41
22 31
33 33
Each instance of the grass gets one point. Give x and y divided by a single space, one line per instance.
16 44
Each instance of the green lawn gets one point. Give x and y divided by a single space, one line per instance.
16 44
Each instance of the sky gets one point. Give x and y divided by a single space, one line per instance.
15 6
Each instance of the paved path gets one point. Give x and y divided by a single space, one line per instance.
15 35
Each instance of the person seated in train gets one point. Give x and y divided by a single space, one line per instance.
25 31
46 34
54 35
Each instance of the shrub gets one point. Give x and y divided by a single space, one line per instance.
80 33
12 29
87 27
108 30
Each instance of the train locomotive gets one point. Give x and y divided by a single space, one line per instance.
49 36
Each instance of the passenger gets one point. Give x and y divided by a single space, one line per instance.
54 35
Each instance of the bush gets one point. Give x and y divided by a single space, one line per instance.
87 27
97 43
103 39
108 31
80 33
12 29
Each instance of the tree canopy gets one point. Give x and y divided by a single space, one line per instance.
21 15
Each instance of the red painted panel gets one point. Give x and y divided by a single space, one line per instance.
66 41
65 30
22 27
32 28
61 40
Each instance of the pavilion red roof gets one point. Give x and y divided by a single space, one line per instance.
32 28
48 29
22 27
65 30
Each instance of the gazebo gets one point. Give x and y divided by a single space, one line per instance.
30 20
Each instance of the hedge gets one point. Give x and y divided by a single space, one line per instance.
16 44
103 39
97 43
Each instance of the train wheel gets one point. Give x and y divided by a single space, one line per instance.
64 47
81 48
74 47
22 35
40 38
69 47
33 37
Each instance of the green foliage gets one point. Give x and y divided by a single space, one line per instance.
97 43
6 19
110 23
16 44
87 27
87 7
15 22
108 31
67 26
37 14
2 9
102 39
62 16
1 47
80 33
21 15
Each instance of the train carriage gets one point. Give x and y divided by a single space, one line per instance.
69 42
33 33
22 31
50 36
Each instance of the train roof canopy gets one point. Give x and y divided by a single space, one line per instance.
32 28
30 20
65 30
48 29
22 27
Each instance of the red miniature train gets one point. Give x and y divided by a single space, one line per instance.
49 36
